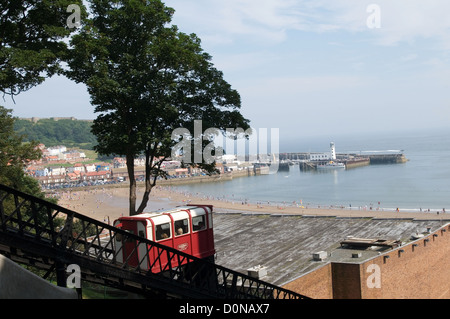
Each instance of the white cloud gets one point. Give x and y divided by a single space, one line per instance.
409 21
267 20
270 20
402 21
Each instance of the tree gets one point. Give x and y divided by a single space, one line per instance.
32 47
145 79
15 155
31 41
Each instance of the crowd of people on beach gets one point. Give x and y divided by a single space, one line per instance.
76 199
237 200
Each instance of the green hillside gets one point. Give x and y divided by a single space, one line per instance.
71 133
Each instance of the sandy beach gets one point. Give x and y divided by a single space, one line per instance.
108 204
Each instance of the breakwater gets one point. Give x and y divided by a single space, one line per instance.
350 160
387 159
228 176
353 163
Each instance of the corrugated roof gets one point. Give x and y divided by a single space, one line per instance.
285 244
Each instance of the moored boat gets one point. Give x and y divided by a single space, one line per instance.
330 165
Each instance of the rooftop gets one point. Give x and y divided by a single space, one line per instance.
284 245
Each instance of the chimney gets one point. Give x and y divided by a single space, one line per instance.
257 272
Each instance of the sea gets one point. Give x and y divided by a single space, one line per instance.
421 184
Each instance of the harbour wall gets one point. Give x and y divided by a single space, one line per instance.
387 159
357 163
354 161
228 176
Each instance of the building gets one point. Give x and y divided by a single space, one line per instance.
56 151
119 162
416 270
332 151
308 254
73 155
77 167
90 168
94 176
56 171
327 156
41 172
319 157
102 167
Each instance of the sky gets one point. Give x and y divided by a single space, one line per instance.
308 67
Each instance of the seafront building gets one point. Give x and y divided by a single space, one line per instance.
332 257
327 156
62 167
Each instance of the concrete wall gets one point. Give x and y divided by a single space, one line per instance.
418 270
18 283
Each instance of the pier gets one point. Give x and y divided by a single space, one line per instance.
387 159
351 160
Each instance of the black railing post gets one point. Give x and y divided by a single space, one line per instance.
2 210
60 274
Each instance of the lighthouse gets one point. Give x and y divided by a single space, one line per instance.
333 151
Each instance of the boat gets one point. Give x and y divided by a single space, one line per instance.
330 165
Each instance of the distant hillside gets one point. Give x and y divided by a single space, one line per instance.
59 131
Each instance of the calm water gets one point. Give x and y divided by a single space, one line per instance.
423 182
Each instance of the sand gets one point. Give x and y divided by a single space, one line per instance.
108 204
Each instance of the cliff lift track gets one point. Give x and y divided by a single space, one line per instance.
36 232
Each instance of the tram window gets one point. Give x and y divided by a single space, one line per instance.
163 231
198 223
181 227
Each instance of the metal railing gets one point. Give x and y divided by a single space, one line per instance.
51 236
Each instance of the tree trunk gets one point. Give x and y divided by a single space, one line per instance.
146 197
132 178
148 184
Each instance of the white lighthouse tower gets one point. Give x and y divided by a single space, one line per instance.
333 151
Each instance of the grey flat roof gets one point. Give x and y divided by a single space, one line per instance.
285 244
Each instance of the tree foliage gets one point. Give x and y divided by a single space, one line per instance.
15 155
145 79
32 47
31 41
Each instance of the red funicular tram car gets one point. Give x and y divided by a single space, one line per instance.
188 229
